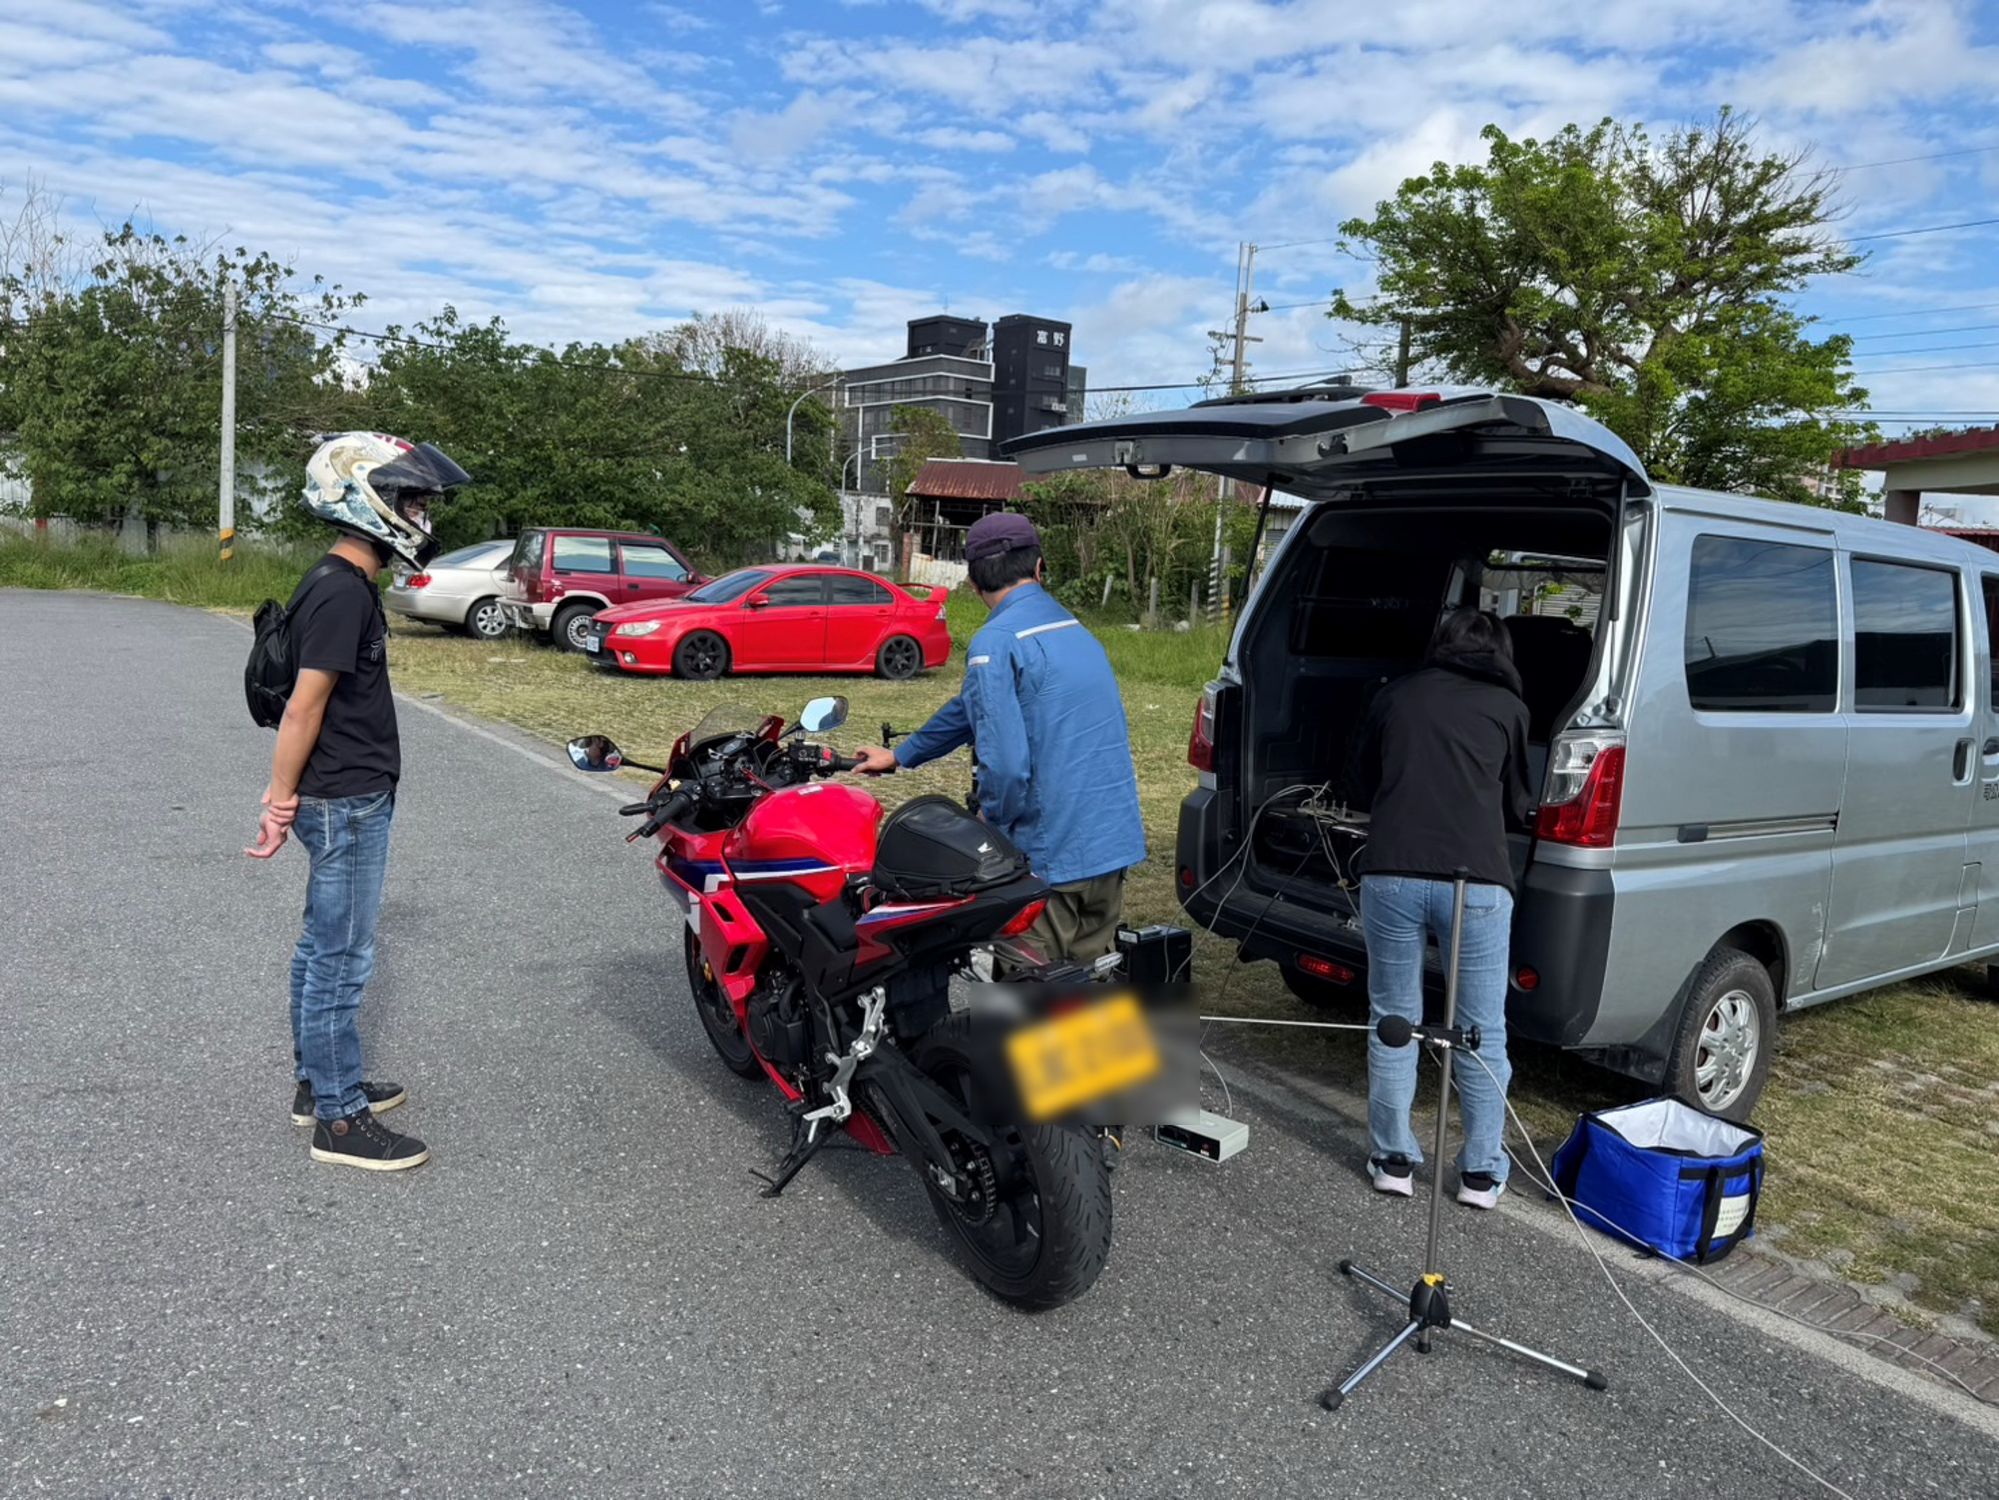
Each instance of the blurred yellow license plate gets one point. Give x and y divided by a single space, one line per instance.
1081 1055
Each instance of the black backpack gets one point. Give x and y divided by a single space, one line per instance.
272 671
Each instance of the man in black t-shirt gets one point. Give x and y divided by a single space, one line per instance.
333 779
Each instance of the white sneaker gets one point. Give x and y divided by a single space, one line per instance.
1477 1190
1392 1175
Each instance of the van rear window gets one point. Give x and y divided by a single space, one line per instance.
1370 605
1762 627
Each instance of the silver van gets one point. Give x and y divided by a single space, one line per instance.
1765 733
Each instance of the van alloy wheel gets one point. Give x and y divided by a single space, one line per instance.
1724 1034
1731 1036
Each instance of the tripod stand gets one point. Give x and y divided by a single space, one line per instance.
1429 1301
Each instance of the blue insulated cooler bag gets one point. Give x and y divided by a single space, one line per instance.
1664 1176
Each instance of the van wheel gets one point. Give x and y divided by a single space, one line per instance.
1720 1057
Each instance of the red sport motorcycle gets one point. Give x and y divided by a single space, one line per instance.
821 941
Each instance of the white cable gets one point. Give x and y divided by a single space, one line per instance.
1941 1371
1589 1244
1240 856
1228 1100
1307 1025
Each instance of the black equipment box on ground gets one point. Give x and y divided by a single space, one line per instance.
1156 955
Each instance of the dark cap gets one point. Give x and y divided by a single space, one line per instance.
1002 531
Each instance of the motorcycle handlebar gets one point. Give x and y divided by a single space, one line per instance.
663 814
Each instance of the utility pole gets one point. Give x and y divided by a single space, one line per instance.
1245 276
1402 355
225 526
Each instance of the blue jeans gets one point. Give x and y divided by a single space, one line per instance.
1396 912
348 841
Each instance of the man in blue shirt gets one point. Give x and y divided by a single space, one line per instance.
1041 710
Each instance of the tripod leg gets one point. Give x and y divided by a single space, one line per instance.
1370 1279
1591 1378
1331 1399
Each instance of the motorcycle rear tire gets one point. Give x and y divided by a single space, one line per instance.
710 1004
1070 1180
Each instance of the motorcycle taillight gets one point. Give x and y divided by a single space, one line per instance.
1023 919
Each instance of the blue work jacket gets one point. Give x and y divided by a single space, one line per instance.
1040 707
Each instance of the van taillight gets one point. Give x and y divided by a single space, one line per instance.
1201 743
1585 791
1401 400
1326 969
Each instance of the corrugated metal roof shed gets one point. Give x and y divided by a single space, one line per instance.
993 481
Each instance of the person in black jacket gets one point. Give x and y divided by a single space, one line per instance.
1442 766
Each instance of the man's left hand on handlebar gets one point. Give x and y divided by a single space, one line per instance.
875 761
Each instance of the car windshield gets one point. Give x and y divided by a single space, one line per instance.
727 719
729 586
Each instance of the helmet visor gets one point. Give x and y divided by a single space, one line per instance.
424 468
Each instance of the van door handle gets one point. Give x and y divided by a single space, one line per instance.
1961 761
1992 746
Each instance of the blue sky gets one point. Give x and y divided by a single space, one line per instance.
589 170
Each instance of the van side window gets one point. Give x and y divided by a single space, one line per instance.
1904 637
1762 627
1991 587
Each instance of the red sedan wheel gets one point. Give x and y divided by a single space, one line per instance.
898 658
702 657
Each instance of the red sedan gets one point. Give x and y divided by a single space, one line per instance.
780 618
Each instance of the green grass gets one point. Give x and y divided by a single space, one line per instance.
1882 1113
184 571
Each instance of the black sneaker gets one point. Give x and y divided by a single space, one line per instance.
1392 1175
362 1141
382 1097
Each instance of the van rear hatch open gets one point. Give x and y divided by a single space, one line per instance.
1426 501
1318 444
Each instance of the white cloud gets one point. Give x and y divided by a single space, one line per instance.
956 138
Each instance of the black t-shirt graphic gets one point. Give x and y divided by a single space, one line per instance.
338 626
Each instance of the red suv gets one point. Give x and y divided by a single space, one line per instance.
560 577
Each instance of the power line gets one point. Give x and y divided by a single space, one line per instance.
1919 312
1918 333
1925 369
1899 161
1926 349
1896 234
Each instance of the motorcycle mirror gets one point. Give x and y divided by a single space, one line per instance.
822 714
595 752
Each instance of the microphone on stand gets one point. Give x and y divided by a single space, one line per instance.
1397 1031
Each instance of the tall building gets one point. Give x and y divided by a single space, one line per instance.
1030 376
989 385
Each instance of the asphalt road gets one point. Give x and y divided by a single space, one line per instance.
581 1294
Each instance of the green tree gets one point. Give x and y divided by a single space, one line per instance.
622 435
1643 280
926 434
112 376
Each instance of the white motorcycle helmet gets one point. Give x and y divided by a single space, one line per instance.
380 489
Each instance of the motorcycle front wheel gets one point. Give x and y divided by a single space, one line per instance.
718 1016
1035 1230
